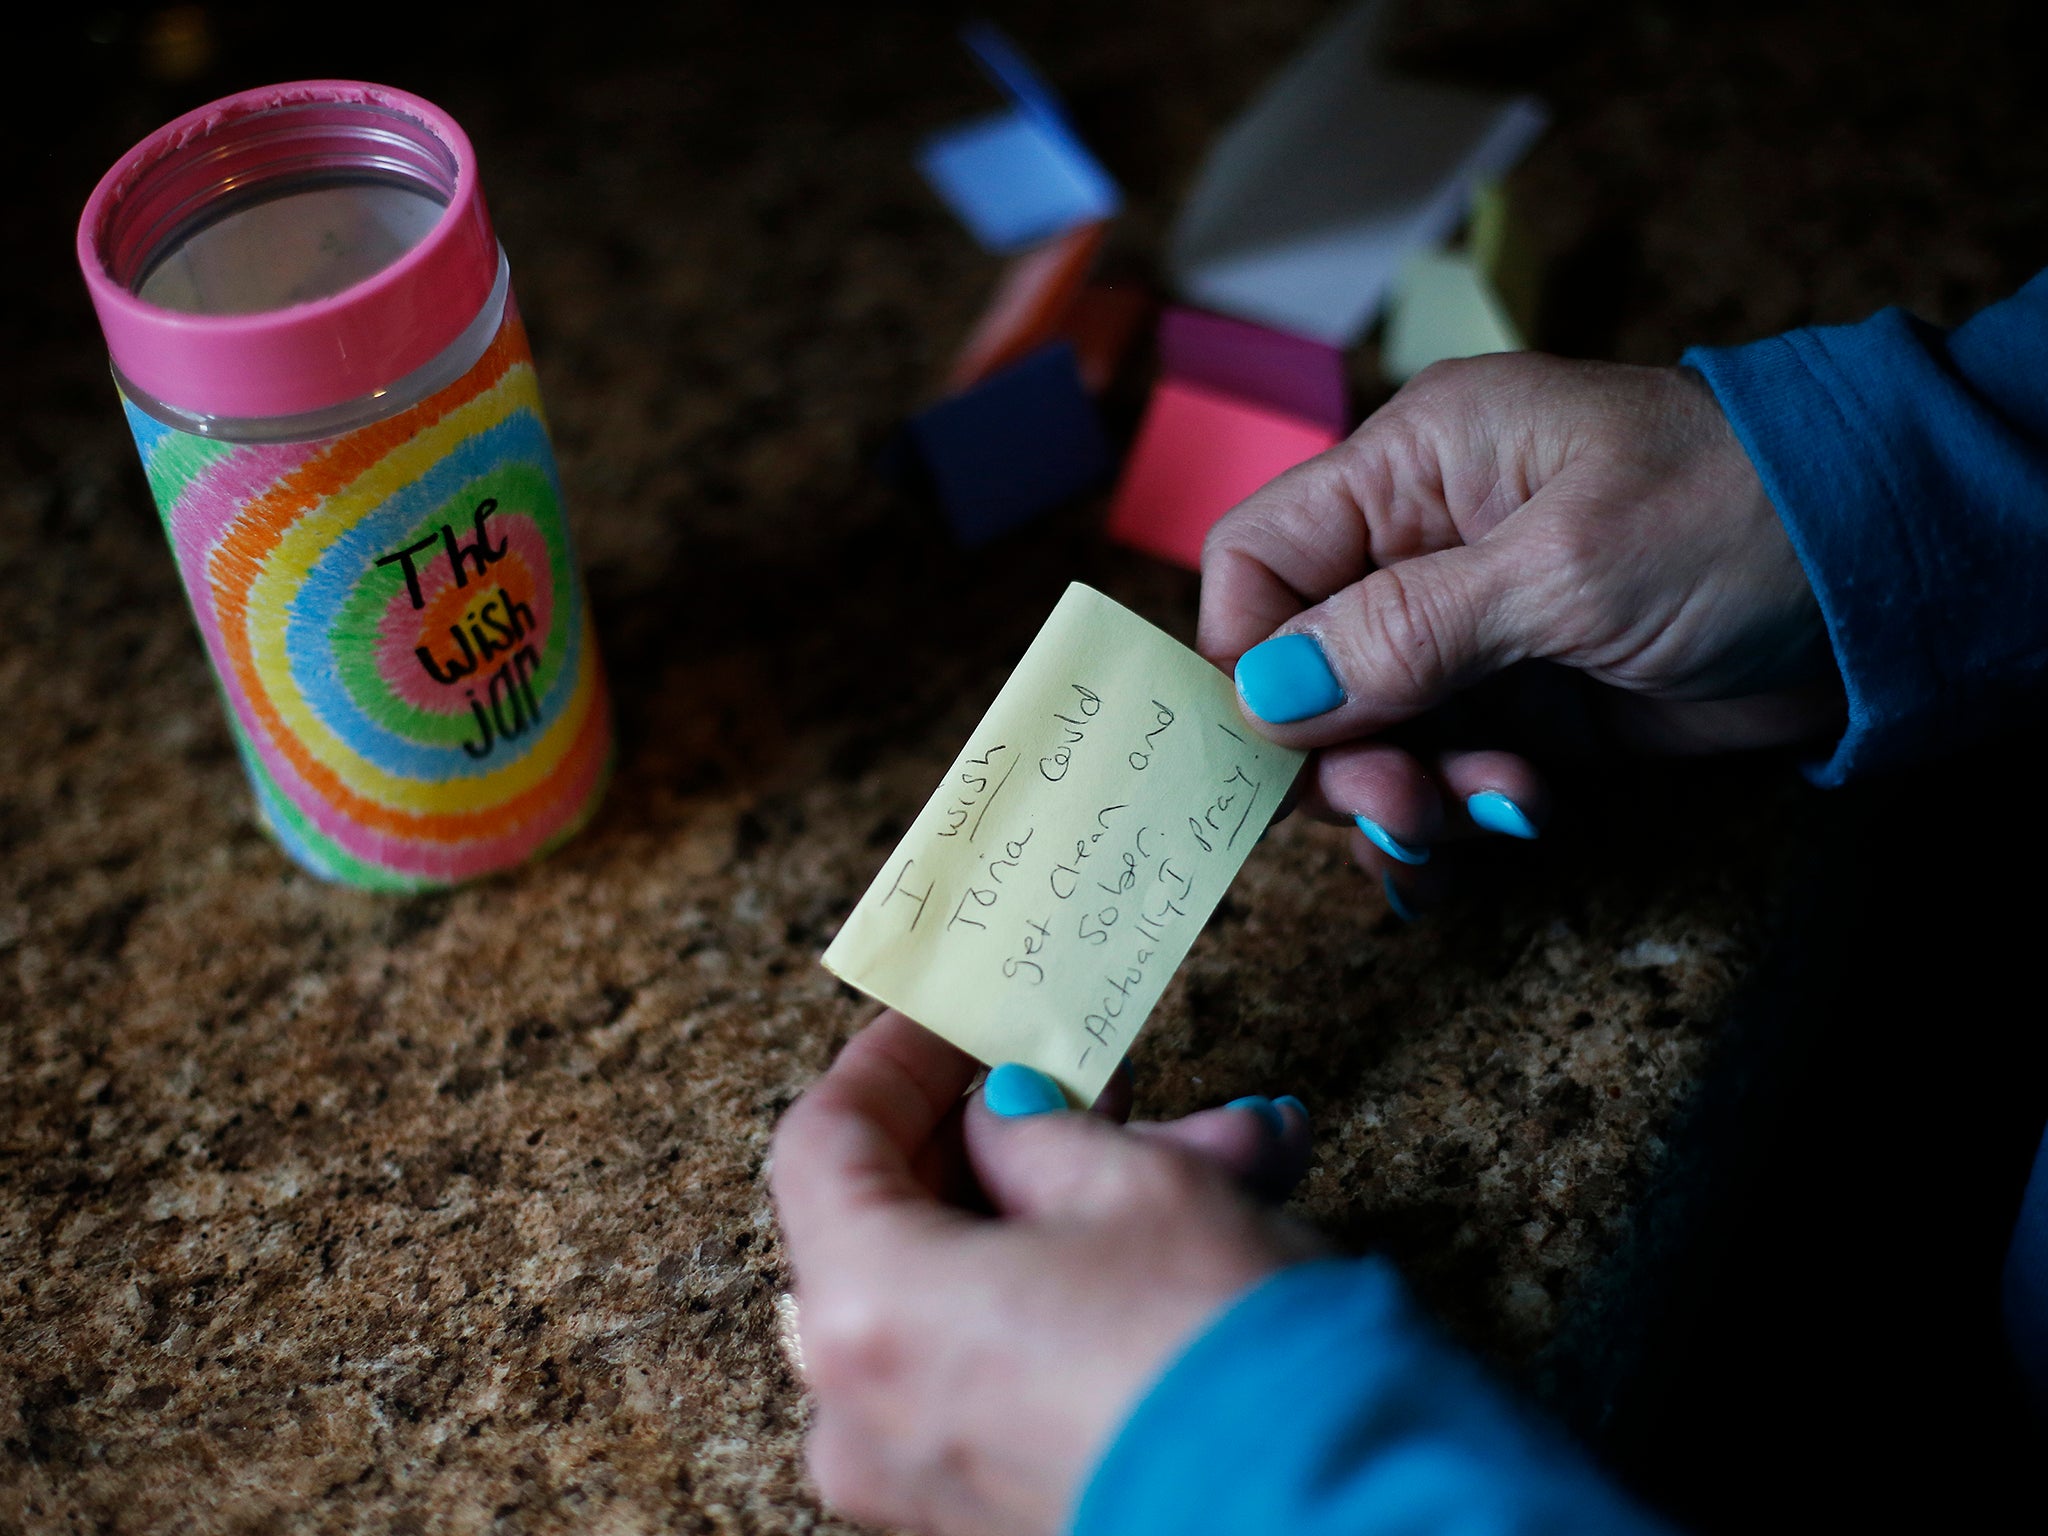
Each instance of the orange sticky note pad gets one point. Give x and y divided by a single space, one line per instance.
1102 322
1197 455
1036 291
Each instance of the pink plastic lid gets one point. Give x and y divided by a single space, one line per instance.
309 356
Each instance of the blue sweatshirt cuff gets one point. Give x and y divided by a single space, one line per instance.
1321 1402
1830 485
1910 469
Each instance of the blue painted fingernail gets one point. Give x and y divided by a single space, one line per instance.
1014 1089
1286 678
1402 910
1267 1111
1389 844
1289 1101
1493 811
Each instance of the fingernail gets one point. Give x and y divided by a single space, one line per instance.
1014 1089
1495 812
1289 1101
1267 1111
1389 844
1286 678
1402 910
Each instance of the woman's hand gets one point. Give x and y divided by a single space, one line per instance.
969 1369
1500 510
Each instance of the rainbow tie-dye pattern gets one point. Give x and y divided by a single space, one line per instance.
407 721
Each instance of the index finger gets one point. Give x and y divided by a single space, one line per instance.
847 1146
1283 549
1405 484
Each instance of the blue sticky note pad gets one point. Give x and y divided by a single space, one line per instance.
1016 179
1021 176
1013 447
1004 63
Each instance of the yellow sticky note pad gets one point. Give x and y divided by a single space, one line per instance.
1443 307
1047 892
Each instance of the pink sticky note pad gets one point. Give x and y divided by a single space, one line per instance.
1198 454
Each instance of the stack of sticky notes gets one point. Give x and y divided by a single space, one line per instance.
1309 206
1019 443
1021 175
1236 404
1466 302
1017 431
1328 203
1047 295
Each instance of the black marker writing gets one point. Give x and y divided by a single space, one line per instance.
1087 705
985 897
1037 934
480 552
1066 876
1141 757
973 796
900 889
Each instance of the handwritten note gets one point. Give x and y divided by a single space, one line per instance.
1049 889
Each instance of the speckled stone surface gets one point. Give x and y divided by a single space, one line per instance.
356 1213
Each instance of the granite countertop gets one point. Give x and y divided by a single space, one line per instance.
447 1212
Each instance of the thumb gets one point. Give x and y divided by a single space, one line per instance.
1033 1158
1387 647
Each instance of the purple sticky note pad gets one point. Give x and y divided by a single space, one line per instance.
1289 374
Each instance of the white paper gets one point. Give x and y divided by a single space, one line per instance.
1308 205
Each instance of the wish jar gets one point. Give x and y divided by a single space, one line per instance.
312 329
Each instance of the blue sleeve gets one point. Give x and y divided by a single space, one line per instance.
2026 1286
1322 1403
1910 467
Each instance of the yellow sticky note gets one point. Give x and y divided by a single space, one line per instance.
1443 307
1501 248
1048 891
